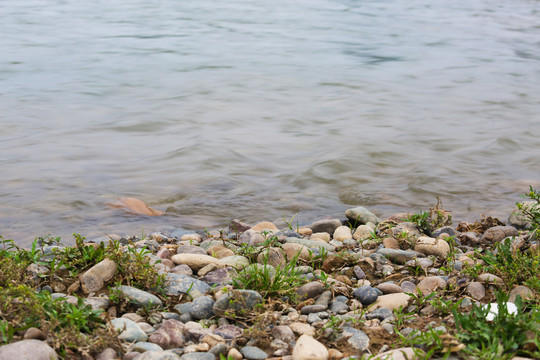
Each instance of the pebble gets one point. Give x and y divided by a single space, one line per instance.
307 348
389 288
490 279
366 294
30 349
407 353
132 331
202 308
183 284
228 332
143 346
358 340
523 291
328 226
498 233
342 233
302 328
362 232
198 356
35 334
169 335
157 355
476 290
95 278
392 301
397 256
361 215
380 313
244 300
430 284
194 261
139 297
253 353
431 246
310 290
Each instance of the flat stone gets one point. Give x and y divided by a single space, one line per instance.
217 277
476 290
358 340
194 261
361 215
431 246
190 249
228 332
328 226
324 299
406 353
397 256
431 284
181 269
312 244
366 294
129 330
169 335
144 346
381 314
302 328
389 288
308 309
183 284
283 333
310 290
339 307
95 278
408 286
28 350
202 308
198 356
307 348
191 237
490 279
498 233
244 300
392 301
139 297
235 261
253 353
97 303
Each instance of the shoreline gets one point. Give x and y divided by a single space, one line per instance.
349 287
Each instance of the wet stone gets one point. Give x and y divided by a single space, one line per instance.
366 294
253 353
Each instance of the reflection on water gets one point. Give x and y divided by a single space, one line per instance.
254 110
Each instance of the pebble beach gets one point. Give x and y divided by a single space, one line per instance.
356 287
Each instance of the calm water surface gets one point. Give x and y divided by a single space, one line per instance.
214 110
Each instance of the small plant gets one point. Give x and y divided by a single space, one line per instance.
270 281
420 300
532 210
514 266
401 317
436 217
506 336
431 343
289 223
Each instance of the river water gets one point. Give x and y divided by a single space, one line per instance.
213 110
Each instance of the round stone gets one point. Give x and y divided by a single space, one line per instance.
253 353
366 294
202 308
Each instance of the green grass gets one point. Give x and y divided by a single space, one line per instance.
507 335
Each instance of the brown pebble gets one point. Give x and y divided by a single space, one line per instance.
34 333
